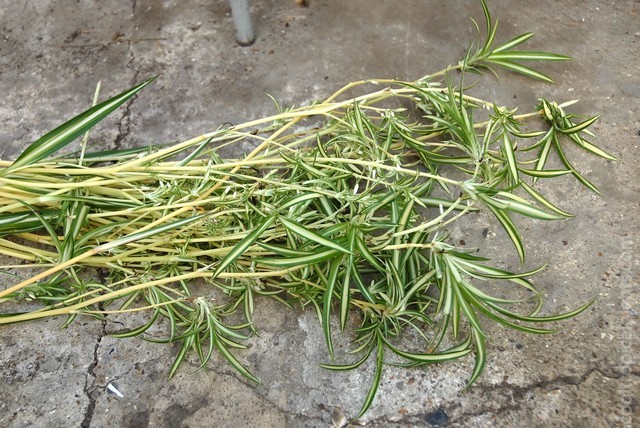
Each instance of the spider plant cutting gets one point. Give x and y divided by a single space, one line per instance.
349 217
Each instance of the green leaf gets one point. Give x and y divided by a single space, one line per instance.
139 330
244 244
347 367
195 153
232 360
549 318
69 131
364 251
284 251
590 147
546 136
513 42
491 272
490 29
98 202
568 165
298 200
147 233
97 232
522 207
436 202
116 155
541 199
345 297
305 260
546 108
26 221
357 278
503 321
521 69
476 332
545 173
531 134
580 126
75 224
304 232
326 309
526 56
427 357
48 227
481 356
510 228
375 383
545 150
511 158
187 343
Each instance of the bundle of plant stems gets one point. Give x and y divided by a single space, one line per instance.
348 216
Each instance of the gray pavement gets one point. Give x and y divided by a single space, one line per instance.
52 54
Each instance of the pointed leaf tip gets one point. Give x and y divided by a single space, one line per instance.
60 137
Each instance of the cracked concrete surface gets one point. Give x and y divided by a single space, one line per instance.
54 52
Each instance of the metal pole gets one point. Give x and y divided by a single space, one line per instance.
242 22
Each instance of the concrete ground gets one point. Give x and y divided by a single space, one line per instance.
52 54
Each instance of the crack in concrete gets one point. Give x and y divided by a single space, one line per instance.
134 15
89 385
408 419
518 392
124 124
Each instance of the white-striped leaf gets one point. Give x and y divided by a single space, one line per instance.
69 131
